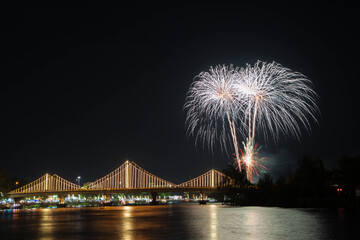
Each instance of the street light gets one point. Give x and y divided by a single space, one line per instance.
78 179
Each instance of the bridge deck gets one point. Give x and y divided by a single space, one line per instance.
115 191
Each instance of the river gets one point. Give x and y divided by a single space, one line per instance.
181 221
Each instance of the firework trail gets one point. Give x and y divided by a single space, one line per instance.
265 97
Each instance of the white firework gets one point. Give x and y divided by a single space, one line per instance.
213 107
277 100
226 101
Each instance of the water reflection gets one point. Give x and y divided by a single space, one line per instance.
178 222
47 226
213 222
127 224
251 222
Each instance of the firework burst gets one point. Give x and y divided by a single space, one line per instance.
277 100
265 97
213 107
252 163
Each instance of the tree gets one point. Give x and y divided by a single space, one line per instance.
284 192
350 168
234 184
309 177
5 183
266 188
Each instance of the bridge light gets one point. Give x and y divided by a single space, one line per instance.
78 180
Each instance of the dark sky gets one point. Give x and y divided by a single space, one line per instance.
83 88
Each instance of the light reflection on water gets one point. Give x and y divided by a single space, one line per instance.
46 227
188 221
127 222
213 222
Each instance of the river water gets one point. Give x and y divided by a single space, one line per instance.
181 221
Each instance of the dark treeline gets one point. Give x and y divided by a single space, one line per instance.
310 185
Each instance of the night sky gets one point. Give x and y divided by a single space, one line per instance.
84 88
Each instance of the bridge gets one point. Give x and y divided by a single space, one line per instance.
128 178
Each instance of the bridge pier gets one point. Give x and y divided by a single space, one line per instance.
61 199
202 201
154 195
17 200
107 198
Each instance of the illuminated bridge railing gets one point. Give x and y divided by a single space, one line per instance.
210 179
47 183
130 175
